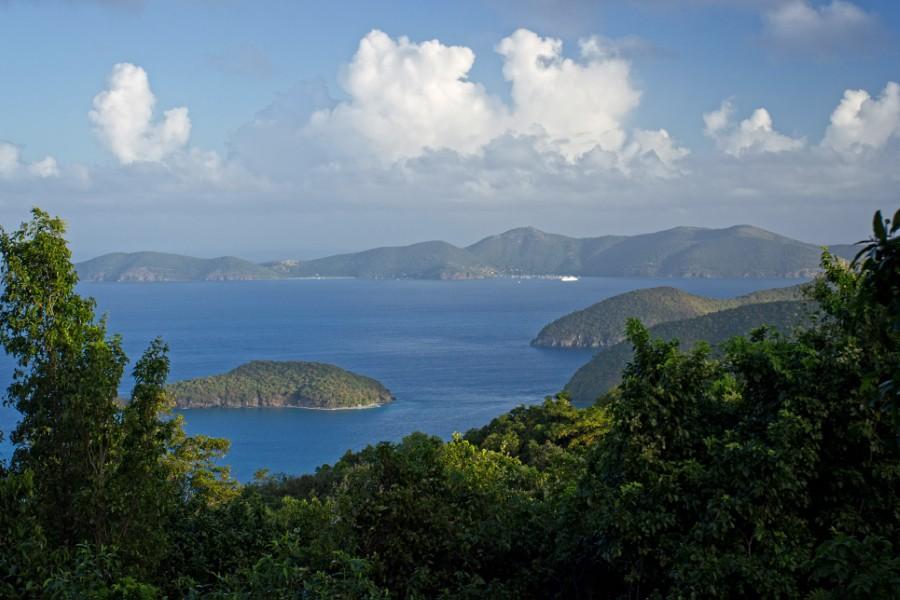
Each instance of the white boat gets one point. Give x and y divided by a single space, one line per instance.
568 278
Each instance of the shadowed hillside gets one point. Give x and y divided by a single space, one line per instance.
604 370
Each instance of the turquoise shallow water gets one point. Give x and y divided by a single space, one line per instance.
454 354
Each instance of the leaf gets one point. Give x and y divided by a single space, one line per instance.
895 222
878 226
868 248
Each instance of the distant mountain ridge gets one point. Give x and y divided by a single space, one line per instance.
739 251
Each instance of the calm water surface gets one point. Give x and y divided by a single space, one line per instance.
454 354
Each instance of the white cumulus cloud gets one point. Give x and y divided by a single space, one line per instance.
755 134
123 117
578 105
408 98
861 121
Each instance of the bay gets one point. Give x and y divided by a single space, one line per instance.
455 354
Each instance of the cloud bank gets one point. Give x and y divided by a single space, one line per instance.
413 134
406 98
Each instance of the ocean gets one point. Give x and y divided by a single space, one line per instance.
455 354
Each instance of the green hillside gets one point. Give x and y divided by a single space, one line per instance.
603 324
740 251
425 260
158 266
531 251
604 370
261 384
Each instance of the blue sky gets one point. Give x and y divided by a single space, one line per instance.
276 154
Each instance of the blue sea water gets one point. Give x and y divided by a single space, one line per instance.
455 354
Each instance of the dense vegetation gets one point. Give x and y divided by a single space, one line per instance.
268 383
681 252
158 266
773 471
603 324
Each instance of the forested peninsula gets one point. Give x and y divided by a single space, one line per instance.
603 324
287 384
604 371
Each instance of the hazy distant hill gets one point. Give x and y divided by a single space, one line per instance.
740 251
530 251
603 324
157 266
845 251
425 260
604 370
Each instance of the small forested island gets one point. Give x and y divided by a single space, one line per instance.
289 384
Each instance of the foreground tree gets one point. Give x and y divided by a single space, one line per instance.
99 471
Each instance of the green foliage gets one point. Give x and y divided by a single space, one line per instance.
65 385
270 383
86 471
770 473
538 435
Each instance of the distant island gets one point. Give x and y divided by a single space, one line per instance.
603 324
159 266
296 384
740 251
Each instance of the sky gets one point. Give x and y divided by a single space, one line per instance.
269 129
